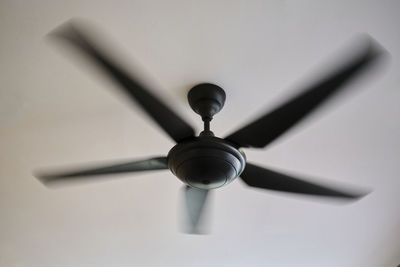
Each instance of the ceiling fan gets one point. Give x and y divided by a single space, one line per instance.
206 162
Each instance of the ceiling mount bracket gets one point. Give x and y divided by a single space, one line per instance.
206 99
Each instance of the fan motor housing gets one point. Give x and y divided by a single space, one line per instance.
206 162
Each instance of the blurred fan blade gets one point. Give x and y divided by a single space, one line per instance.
256 176
195 202
175 126
158 163
267 128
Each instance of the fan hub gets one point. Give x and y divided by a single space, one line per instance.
206 162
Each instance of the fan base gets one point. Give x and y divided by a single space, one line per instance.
206 162
206 99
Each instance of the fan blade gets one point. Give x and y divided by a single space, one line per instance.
159 163
195 202
175 126
256 176
267 128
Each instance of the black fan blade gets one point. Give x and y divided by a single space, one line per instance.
195 202
267 128
256 176
174 125
158 163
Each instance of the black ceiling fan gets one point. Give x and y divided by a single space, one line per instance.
206 162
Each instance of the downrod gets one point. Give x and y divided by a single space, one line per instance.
206 131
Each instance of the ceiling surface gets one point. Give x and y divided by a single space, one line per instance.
56 110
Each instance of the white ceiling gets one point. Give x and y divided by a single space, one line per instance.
55 112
